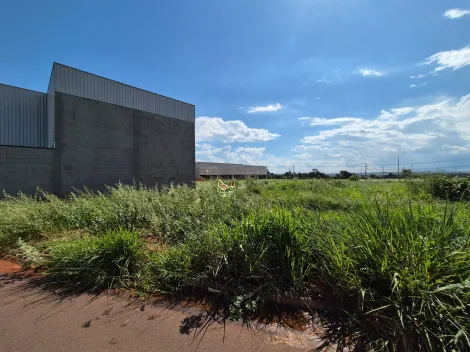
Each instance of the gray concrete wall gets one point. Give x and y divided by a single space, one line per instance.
24 169
94 144
166 150
101 144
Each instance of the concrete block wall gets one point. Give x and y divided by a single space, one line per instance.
166 150
24 169
94 144
100 144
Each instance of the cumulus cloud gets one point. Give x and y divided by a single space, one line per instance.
415 130
452 59
366 72
418 76
456 13
216 129
321 121
435 131
226 153
305 161
267 108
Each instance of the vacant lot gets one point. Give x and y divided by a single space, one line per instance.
391 259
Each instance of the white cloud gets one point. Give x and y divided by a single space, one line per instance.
267 108
418 85
303 162
227 153
216 129
393 114
321 121
453 59
456 13
323 80
418 76
317 98
370 72
438 130
419 132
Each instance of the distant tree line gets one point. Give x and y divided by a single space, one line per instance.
302 175
342 175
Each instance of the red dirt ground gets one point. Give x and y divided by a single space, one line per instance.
32 320
8 267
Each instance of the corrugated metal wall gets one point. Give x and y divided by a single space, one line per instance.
23 117
50 113
214 169
86 85
256 170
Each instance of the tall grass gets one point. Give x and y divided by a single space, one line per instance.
94 263
402 274
394 257
169 214
267 252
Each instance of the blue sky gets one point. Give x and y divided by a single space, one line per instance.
317 83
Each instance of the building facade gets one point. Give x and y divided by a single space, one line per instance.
208 169
89 131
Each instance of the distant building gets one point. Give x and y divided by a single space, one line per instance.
89 131
208 169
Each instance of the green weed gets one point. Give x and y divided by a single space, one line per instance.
94 263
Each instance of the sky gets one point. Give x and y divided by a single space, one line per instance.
325 84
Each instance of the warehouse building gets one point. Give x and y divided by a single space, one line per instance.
208 169
89 131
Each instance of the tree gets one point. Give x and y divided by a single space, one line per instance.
317 174
406 172
343 174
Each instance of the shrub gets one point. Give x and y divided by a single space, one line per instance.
94 262
353 178
450 188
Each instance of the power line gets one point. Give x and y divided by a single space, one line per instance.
394 164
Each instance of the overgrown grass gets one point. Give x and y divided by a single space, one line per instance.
393 255
94 263
402 274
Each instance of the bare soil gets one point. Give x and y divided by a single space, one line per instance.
8 267
35 320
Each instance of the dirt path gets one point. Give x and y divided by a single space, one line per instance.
31 320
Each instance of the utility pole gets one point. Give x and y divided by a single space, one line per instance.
365 172
398 169
383 174
293 171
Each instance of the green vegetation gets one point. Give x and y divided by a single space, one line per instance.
353 178
392 256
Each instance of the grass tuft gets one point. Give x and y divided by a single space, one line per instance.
95 263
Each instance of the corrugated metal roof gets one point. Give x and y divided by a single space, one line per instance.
23 117
69 80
